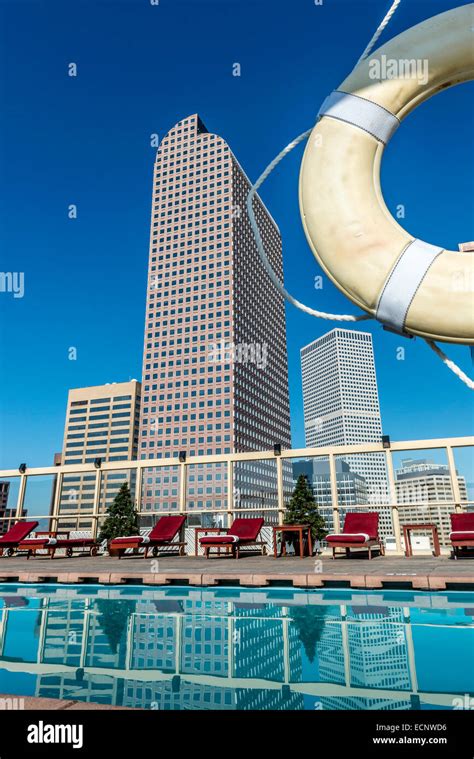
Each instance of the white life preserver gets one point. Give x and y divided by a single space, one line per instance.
411 286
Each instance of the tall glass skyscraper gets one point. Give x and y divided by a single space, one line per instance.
341 402
215 376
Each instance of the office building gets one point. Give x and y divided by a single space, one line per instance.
101 423
425 487
215 376
341 403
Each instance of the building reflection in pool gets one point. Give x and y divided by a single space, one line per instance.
177 648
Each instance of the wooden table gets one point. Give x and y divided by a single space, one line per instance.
298 528
409 528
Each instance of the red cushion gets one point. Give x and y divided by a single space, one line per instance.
345 538
246 529
218 540
34 543
367 522
18 532
462 522
166 528
462 535
130 540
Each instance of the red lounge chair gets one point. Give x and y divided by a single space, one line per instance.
52 541
161 536
15 535
242 532
360 531
462 532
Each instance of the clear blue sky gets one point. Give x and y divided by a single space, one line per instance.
86 140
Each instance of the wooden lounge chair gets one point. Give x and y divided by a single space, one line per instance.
161 536
462 532
361 530
242 532
51 541
14 536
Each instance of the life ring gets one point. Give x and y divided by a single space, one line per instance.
411 286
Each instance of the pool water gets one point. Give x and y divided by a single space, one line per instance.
234 648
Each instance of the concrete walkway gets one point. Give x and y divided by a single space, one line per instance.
421 573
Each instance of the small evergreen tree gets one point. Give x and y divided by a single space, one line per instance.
113 618
122 518
310 622
303 509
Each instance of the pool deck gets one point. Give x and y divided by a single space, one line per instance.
418 572
34 703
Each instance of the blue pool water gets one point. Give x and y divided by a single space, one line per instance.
236 648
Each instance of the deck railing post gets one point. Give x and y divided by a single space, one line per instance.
138 486
280 491
393 501
96 505
57 500
21 496
334 494
183 473
454 479
230 489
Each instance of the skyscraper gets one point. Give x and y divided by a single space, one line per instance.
215 377
101 422
341 403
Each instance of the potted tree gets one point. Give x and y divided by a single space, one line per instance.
303 509
121 519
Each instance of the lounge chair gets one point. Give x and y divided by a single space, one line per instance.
52 541
462 532
361 530
242 532
14 536
161 536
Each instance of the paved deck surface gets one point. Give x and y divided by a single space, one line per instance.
423 573
55 704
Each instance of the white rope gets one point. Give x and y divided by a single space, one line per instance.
450 364
261 249
379 31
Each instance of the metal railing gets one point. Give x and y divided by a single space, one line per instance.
96 513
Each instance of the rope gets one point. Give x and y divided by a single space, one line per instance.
450 364
379 31
261 249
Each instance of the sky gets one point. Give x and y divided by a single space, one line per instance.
86 140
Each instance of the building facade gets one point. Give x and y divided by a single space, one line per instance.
215 377
101 423
426 490
341 403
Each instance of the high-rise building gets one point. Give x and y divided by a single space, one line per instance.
341 403
101 422
425 487
215 376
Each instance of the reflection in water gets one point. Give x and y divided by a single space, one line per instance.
239 649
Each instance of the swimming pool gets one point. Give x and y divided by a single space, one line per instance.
234 648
